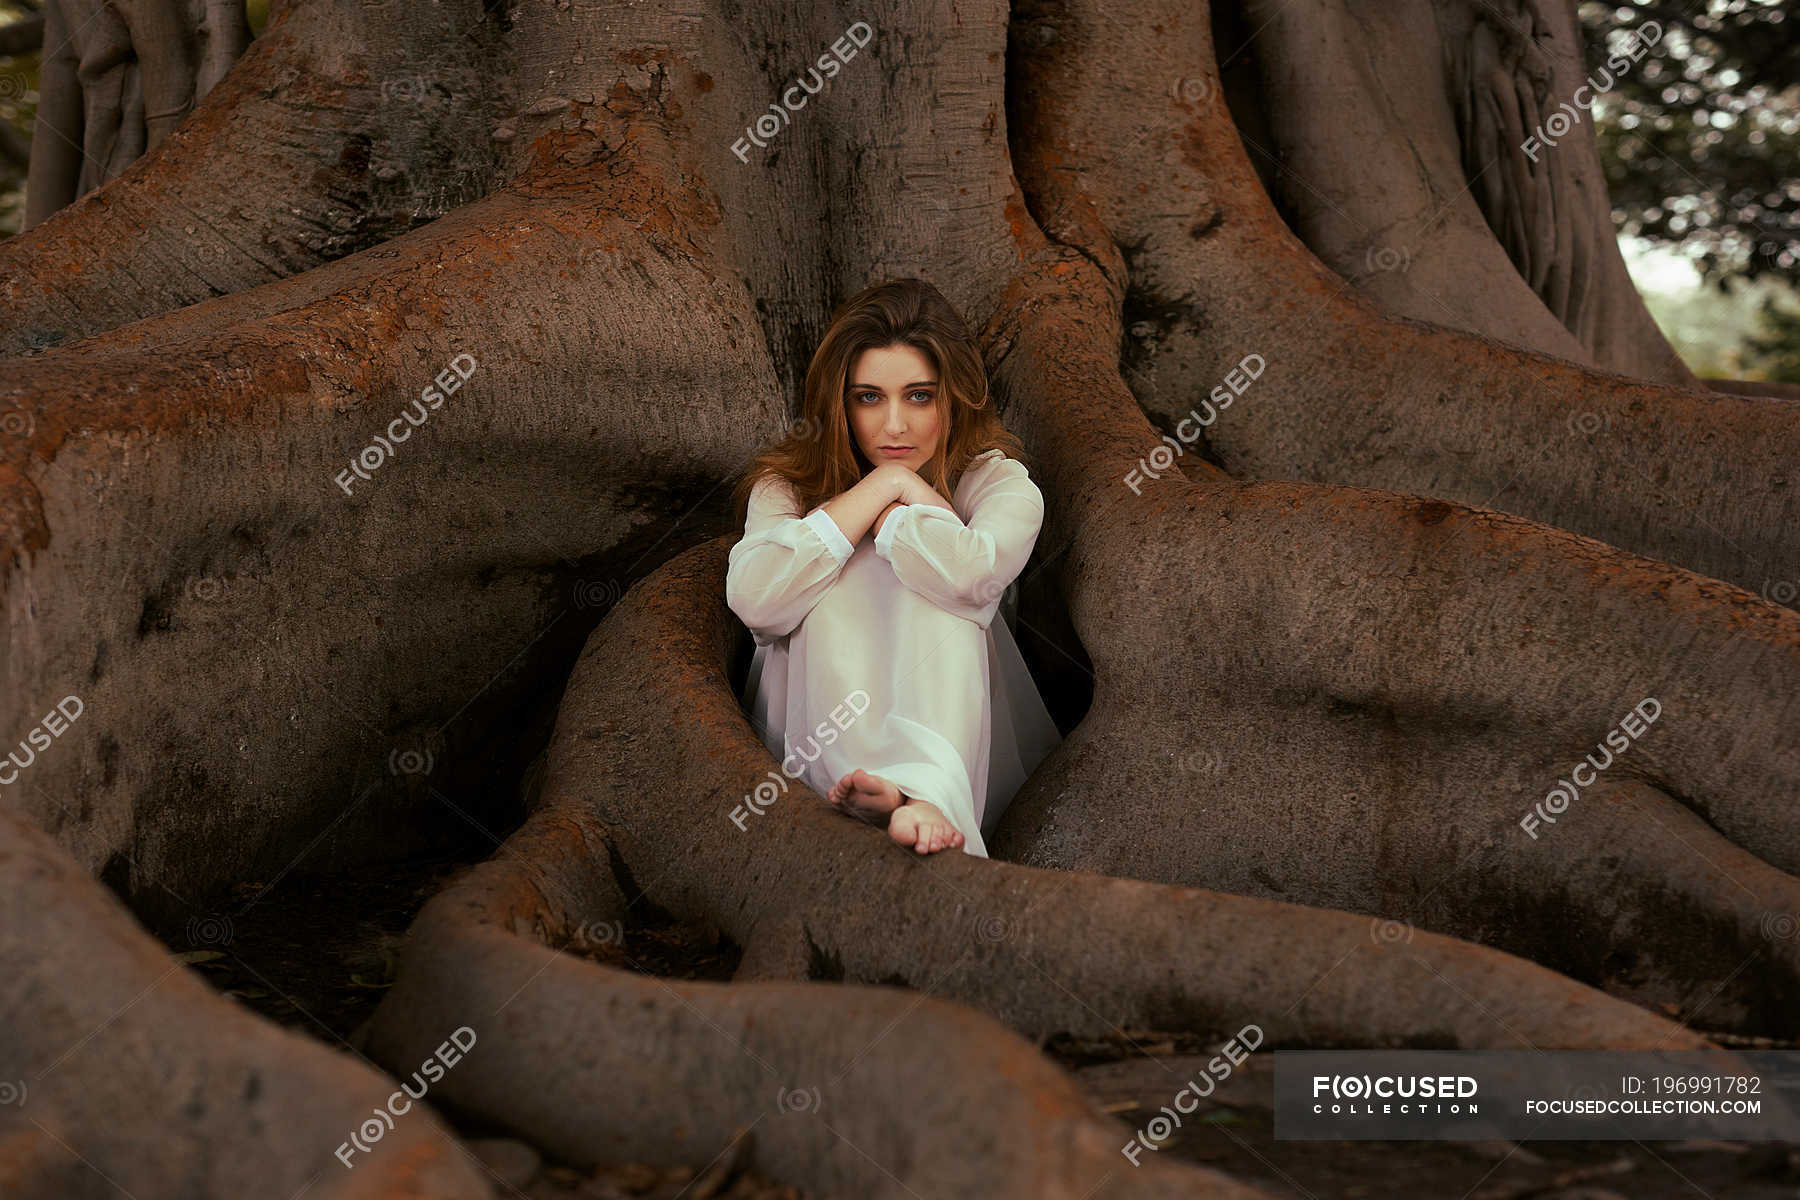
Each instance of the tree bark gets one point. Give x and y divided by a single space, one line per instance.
1440 212
330 136
1325 676
126 1072
1690 477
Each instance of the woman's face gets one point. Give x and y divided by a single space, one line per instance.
891 402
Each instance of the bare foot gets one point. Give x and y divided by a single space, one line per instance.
919 824
867 796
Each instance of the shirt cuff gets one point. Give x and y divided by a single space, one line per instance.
830 534
884 541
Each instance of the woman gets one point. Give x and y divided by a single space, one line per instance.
919 513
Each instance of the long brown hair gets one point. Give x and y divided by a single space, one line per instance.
818 455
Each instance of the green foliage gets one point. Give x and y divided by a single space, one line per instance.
1700 138
18 108
1777 347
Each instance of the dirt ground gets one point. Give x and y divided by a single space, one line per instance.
316 955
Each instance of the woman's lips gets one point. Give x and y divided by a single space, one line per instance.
895 451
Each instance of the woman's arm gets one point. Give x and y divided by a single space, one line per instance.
916 492
860 508
883 518
965 568
784 564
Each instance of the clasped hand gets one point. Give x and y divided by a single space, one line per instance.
911 489
861 510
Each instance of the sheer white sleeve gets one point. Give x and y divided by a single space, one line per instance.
965 568
784 564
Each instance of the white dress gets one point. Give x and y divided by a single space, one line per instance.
886 655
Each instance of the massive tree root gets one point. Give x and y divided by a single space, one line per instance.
1288 666
1471 226
124 1073
1128 142
647 802
1321 727
597 1064
115 586
341 126
658 753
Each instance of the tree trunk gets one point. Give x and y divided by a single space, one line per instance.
1451 213
1320 650
327 138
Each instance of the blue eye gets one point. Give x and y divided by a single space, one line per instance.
875 397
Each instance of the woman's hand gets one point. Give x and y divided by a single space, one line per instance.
860 511
908 486
875 529
855 510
